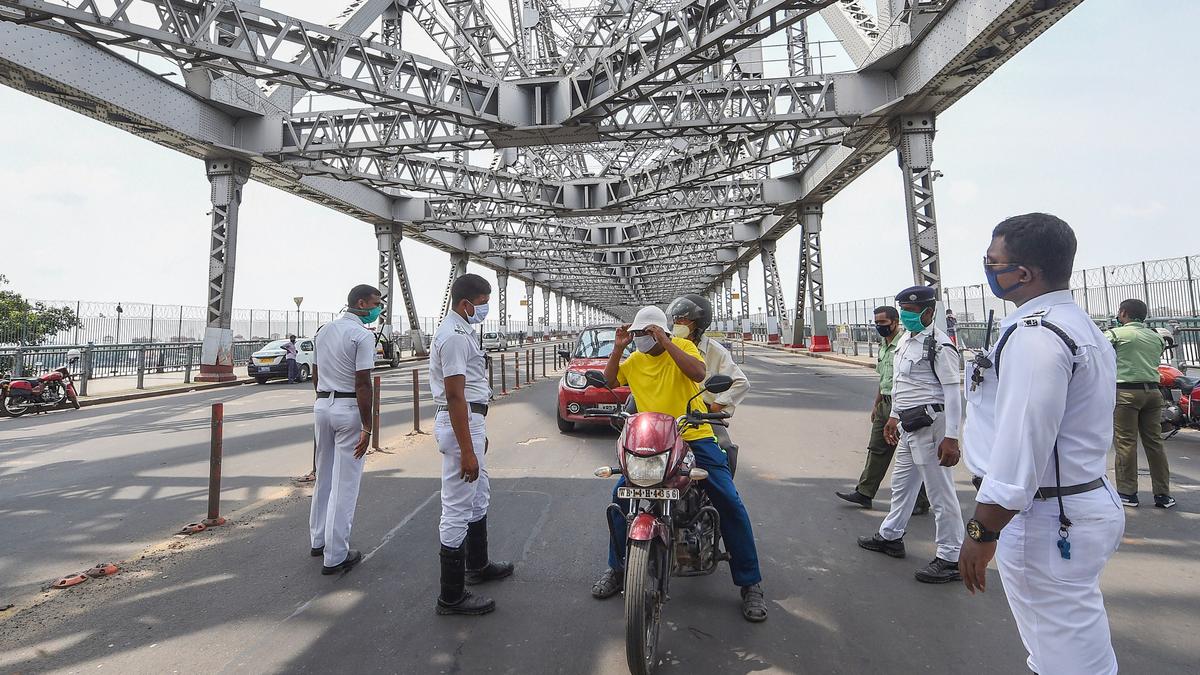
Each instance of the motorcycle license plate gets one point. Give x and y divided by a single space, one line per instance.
647 493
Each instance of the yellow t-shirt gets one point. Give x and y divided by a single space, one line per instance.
658 385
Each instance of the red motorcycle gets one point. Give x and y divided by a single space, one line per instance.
672 527
1180 411
37 394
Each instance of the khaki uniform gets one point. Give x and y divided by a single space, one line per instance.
1139 407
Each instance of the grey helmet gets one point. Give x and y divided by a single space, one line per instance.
693 307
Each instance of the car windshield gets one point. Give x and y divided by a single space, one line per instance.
489 336
597 343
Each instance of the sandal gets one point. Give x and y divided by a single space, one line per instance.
609 584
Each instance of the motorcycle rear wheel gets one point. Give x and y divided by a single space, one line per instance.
643 605
14 408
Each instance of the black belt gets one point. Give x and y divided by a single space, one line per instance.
336 394
1144 386
1053 492
480 408
937 407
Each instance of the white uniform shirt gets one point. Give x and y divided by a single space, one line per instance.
913 381
343 346
454 351
718 361
1013 424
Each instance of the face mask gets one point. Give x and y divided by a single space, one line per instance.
681 331
912 321
373 315
993 279
481 312
884 331
644 343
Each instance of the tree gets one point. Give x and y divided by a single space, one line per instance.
30 323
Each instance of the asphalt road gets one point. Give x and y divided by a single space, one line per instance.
247 598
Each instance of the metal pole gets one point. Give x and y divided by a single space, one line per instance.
152 323
1145 284
1104 276
543 362
375 414
87 370
216 430
1187 265
517 371
491 376
78 322
187 370
503 376
141 371
416 377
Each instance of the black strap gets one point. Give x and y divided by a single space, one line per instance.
478 408
336 394
931 350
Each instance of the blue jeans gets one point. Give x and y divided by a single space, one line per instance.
735 521
293 370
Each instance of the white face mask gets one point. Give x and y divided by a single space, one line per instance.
681 331
481 312
644 343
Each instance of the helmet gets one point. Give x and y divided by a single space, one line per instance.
694 307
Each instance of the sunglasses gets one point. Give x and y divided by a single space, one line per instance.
1008 265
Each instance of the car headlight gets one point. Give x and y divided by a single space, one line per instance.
646 471
576 380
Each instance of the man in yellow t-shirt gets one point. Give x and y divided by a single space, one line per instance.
662 375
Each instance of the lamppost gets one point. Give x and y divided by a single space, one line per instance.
298 299
120 311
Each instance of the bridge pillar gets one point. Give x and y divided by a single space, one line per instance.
502 301
458 267
811 215
796 338
913 135
558 312
403 281
776 312
727 284
226 178
383 240
545 310
743 272
529 287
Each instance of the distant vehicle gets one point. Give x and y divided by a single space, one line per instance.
591 351
37 394
495 340
269 362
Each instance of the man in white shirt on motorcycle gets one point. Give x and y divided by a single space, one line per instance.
692 315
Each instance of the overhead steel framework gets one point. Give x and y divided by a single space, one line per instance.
612 152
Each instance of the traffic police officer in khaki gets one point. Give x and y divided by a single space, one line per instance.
459 381
343 360
1039 424
1139 405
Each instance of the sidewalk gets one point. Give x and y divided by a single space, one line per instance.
861 360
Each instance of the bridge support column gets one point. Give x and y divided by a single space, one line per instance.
545 310
502 301
383 239
226 178
727 285
558 312
529 288
458 267
776 311
744 293
811 215
405 287
913 135
796 338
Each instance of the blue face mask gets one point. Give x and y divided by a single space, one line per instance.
912 321
373 315
993 275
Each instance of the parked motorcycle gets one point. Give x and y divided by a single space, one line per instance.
37 394
1181 401
673 528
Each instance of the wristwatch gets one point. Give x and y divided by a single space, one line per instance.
979 533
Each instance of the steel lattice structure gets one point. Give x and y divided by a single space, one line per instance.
614 153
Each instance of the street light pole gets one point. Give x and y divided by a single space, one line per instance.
120 311
298 299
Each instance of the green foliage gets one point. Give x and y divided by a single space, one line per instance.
30 323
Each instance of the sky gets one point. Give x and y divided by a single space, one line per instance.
1092 122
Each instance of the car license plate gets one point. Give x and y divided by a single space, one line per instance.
265 362
647 493
607 407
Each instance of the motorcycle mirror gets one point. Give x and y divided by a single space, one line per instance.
718 384
596 378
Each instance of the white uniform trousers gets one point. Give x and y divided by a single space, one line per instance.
462 502
337 425
1056 602
917 463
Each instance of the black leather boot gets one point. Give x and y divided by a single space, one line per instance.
479 568
455 599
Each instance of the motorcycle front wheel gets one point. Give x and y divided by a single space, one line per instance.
643 605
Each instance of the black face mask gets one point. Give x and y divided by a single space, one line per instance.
884 330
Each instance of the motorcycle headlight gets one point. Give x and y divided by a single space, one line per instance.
576 380
646 471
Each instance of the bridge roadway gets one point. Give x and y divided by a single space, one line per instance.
247 598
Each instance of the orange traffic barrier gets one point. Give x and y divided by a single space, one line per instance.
102 570
193 528
70 580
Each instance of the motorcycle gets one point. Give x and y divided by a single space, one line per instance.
673 530
37 394
1180 411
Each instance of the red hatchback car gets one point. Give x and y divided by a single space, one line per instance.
591 352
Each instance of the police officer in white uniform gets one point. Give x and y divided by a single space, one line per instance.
691 315
1039 425
343 360
925 420
459 380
